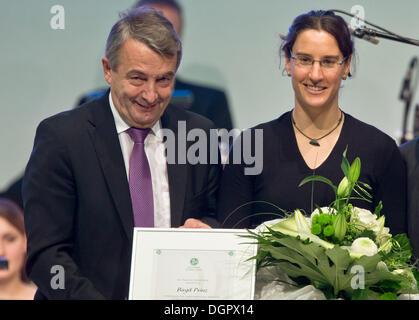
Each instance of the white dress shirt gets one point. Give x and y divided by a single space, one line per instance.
155 151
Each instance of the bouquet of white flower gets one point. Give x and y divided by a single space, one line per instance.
344 251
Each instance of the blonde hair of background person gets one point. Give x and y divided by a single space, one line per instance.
14 284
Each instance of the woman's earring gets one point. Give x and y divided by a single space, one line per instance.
284 71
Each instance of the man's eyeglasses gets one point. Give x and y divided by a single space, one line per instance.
326 63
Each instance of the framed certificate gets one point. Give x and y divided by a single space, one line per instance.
192 264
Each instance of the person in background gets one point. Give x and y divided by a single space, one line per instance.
14 192
311 138
209 102
14 284
100 170
410 154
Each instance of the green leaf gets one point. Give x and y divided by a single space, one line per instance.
318 179
416 275
345 163
403 242
378 208
341 260
365 185
388 296
400 253
366 193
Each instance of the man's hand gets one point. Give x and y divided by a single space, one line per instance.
195 224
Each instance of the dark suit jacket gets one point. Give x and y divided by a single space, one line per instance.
410 154
14 192
209 102
77 203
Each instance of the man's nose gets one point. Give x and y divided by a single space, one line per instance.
149 93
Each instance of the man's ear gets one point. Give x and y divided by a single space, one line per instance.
106 69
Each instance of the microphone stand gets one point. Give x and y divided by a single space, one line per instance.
416 122
407 90
406 94
403 138
362 32
384 33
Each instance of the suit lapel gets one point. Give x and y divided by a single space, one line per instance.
177 173
106 143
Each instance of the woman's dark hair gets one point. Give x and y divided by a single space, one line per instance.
13 214
320 20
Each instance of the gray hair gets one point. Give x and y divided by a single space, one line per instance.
149 27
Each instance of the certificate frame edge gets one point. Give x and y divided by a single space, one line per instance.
186 230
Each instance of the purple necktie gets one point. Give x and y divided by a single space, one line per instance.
140 185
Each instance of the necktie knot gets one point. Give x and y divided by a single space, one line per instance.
138 135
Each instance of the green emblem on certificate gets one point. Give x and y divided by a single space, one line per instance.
194 261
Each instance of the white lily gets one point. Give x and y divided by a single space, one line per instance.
381 265
344 188
301 222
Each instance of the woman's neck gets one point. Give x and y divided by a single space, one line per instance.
12 289
316 121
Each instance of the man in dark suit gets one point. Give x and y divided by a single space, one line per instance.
210 102
80 196
410 154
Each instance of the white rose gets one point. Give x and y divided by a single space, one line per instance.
363 246
364 219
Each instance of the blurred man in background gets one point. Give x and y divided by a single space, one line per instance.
410 154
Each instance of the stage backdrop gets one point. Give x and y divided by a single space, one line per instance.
51 53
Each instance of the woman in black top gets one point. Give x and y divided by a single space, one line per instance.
312 137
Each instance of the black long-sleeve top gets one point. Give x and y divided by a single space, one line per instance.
284 168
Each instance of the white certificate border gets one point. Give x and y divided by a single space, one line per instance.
200 242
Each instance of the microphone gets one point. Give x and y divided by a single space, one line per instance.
363 33
416 122
4 263
405 91
182 98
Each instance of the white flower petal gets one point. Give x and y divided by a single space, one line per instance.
364 246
